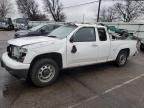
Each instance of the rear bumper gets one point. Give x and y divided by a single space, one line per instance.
19 70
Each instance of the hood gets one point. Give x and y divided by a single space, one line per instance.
31 40
23 32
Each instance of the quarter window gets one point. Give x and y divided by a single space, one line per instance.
102 34
85 34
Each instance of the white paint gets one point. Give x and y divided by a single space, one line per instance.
88 53
124 83
107 91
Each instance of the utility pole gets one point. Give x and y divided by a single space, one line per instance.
99 10
83 20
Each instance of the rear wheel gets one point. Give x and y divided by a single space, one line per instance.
121 59
44 72
142 47
10 27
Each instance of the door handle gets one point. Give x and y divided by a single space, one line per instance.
74 49
94 45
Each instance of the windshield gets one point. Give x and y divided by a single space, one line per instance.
36 28
21 20
4 20
62 32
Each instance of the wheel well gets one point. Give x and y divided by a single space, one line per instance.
57 57
126 49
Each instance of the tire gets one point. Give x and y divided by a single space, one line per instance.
9 27
121 59
142 47
12 27
44 72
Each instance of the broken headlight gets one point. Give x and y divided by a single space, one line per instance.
22 53
17 53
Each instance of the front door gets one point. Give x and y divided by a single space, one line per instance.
82 49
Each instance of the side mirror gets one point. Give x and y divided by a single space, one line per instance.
71 39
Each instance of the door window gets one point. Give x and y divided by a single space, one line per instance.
102 34
85 34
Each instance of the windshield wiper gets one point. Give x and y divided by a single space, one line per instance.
52 36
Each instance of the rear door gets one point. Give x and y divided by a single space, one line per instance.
103 44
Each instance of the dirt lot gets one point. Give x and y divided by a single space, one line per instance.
97 86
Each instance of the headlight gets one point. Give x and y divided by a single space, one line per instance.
19 53
22 52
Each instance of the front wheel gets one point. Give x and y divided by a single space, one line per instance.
121 59
44 72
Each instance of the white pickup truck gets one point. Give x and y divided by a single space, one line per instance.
40 59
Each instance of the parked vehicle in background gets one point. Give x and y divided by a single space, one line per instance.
6 24
21 24
140 42
142 45
40 30
41 58
123 34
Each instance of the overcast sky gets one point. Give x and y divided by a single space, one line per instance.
88 11
73 14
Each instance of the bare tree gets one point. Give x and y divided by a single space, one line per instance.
130 10
5 8
30 9
55 8
108 15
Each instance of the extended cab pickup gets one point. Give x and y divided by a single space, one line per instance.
41 58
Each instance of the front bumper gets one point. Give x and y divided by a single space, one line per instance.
3 26
17 69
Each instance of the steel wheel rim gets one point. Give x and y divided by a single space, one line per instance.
122 59
46 73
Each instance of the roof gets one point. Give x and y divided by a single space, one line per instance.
50 24
90 25
85 25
